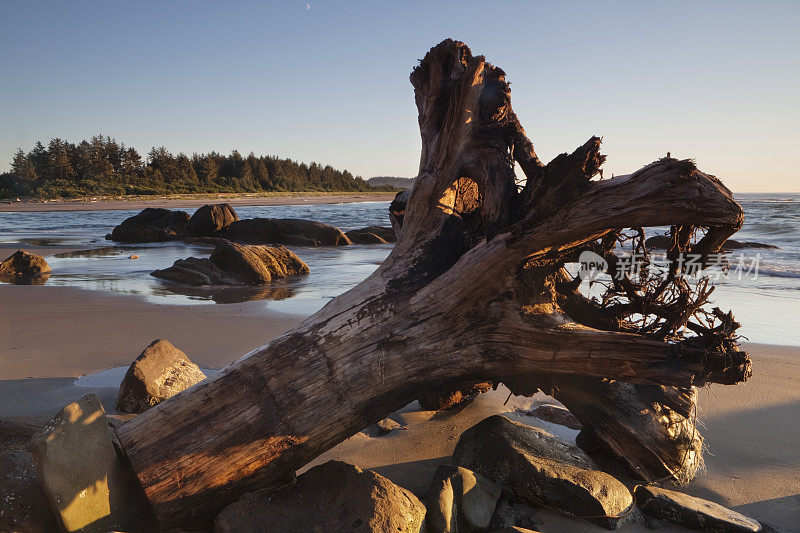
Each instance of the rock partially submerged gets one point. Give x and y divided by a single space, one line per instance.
152 224
334 496
24 268
542 469
211 219
79 471
661 242
292 231
460 500
236 264
372 235
691 512
160 372
23 504
452 395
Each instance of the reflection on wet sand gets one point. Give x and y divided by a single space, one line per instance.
228 294
41 279
102 251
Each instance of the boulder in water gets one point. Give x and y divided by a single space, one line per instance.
284 231
152 224
542 469
211 219
236 264
24 268
160 372
372 235
334 496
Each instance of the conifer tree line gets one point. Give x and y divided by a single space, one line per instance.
103 166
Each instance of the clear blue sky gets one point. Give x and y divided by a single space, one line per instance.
328 81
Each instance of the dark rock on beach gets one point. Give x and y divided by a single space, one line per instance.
452 395
211 219
236 264
88 486
372 235
542 469
293 231
160 372
23 504
691 512
152 225
24 268
16 431
556 415
460 500
332 497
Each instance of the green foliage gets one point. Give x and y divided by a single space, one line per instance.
102 166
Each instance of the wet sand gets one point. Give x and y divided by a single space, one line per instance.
50 335
197 201
49 332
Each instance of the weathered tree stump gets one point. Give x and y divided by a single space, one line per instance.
475 289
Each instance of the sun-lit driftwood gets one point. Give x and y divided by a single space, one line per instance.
475 289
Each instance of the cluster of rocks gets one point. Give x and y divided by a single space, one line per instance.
220 220
25 268
235 264
246 252
73 476
502 473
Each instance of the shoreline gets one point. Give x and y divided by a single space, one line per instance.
190 201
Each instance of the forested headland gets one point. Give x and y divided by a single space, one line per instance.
101 166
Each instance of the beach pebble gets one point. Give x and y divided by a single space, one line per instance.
542 469
86 483
334 496
160 372
23 504
386 426
133 256
691 512
460 500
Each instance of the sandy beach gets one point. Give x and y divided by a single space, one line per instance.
195 201
51 335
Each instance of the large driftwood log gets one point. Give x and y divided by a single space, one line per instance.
475 289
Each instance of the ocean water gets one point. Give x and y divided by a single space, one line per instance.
766 299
